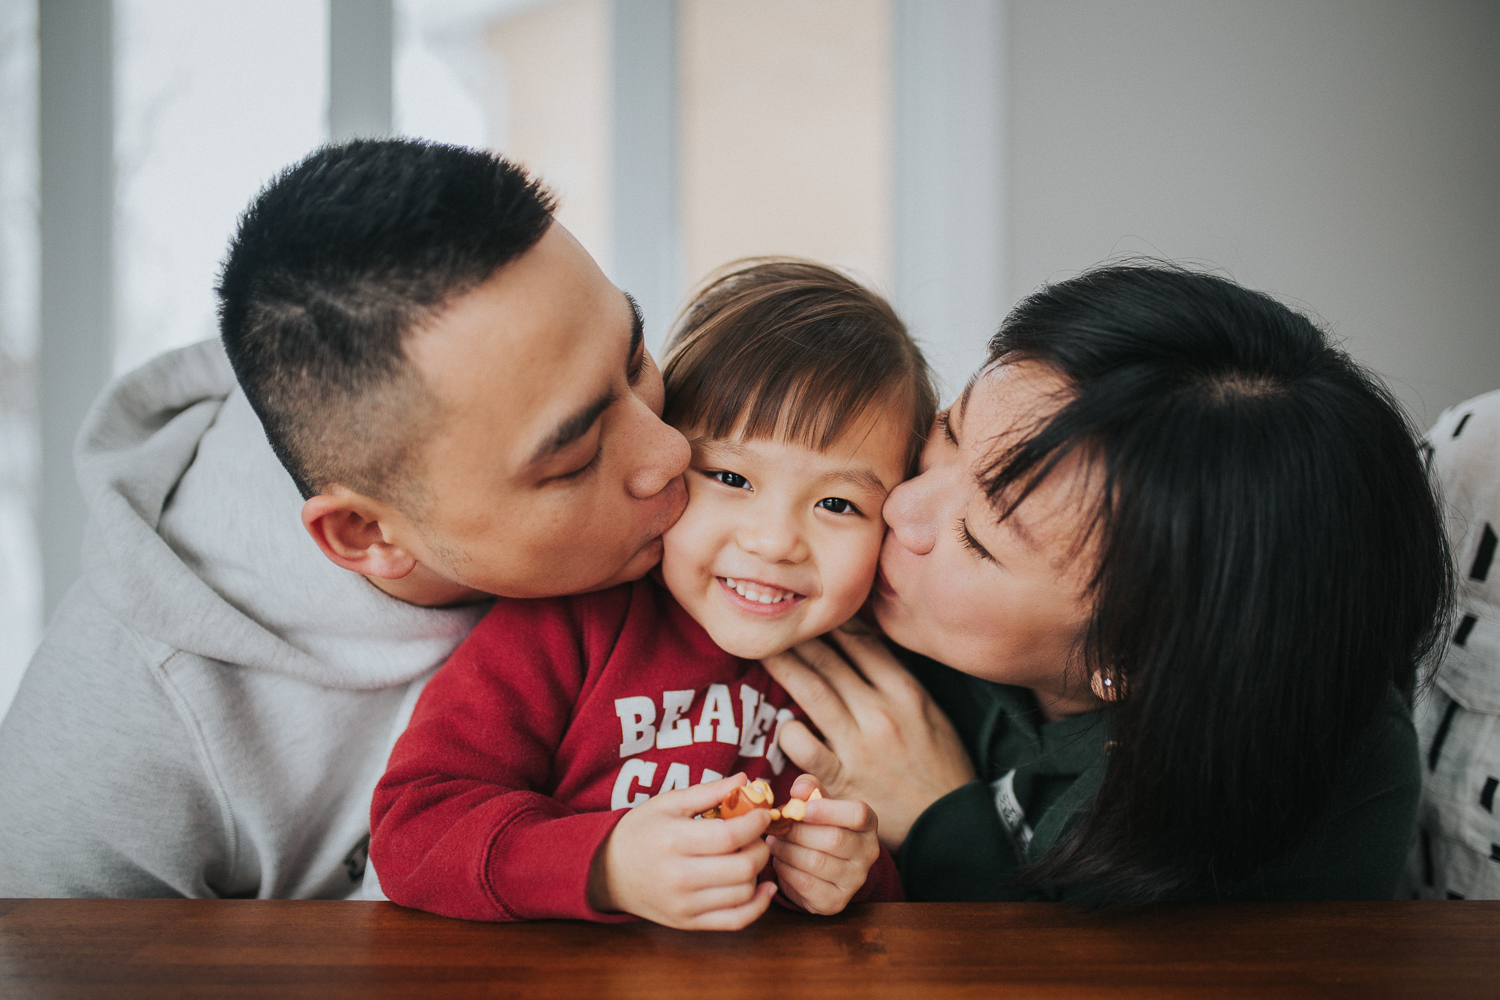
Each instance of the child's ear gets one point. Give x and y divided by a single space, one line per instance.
347 527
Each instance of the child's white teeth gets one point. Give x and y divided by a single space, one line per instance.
757 593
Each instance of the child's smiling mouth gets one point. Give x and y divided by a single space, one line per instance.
757 597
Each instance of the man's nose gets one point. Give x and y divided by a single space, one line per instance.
911 513
663 455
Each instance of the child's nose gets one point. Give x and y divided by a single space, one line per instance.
773 542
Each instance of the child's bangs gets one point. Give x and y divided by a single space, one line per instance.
792 351
814 411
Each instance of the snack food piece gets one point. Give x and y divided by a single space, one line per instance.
758 795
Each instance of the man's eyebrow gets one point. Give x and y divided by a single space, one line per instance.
578 424
572 428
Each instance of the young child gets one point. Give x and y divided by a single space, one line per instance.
555 766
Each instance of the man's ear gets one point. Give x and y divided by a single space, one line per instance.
347 528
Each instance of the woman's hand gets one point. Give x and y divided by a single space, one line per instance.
888 744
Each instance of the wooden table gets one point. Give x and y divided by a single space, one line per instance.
161 949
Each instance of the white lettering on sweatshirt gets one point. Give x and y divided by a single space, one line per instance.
758 726
718 708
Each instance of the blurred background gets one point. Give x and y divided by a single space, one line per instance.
955 154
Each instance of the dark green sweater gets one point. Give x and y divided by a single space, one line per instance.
960 849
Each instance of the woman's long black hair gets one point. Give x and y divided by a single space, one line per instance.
1271 563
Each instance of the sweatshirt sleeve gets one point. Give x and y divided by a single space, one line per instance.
102 792
883 883
461 824
1358 851
959 851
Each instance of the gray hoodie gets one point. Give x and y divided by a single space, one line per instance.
214 701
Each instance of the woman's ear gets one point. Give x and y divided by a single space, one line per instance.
1106 687
347 527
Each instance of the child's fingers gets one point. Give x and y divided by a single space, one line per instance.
805 785
696 874
722 897
789 880
698 798
819 863
708 837
833 840
830 840
808 891
850 814
736 917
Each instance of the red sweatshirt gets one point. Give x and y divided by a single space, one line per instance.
548 722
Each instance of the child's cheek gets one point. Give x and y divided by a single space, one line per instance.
687 550
856 574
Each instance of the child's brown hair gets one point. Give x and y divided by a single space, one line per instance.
790 349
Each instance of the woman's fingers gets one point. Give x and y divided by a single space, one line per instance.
812 693
876 662
810 754
834 670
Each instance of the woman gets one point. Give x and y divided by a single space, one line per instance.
1180 559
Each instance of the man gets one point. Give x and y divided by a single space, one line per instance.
466 407
1458 829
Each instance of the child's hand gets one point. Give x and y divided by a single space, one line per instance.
822 861
662 864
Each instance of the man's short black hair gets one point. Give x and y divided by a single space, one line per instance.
334 263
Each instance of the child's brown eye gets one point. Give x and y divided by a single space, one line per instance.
731 479
838 505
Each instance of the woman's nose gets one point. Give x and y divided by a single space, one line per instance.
911 515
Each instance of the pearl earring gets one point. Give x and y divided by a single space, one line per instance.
1104 686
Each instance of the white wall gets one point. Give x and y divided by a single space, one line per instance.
1342 155
20 441
211 102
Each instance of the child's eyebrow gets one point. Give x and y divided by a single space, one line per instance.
861 478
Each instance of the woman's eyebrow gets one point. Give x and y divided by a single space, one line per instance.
1020 530
947 422
963 399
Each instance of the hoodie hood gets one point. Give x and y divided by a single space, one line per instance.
195 539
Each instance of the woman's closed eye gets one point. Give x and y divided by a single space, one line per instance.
967 539
838 505
731 479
